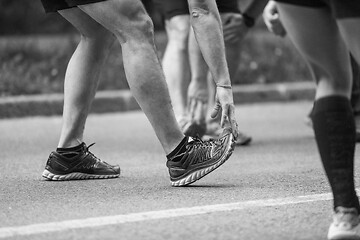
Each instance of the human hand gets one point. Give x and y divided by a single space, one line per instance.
224 103
234 28
272 19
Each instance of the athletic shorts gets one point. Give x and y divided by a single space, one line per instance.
339 8
172 8
56 5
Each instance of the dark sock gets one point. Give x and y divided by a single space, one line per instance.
70 152
311 111
174 155
334 129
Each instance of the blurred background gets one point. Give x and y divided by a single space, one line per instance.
35 48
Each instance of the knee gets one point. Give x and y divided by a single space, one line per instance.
99 39
136 26
143 28
177 29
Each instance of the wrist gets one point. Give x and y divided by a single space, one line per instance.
227 86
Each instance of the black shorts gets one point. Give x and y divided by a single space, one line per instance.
339 8
56 5
172 8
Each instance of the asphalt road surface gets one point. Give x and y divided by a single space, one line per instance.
273 189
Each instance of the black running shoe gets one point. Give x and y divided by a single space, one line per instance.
200 158
85 165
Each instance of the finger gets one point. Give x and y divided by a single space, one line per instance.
231 38
235 129
216 110
267 22
189 99
225 115
230 19
225 19
198 110
279 30
274 17
234 25
192 107
200 114
231 31
204 109
274 21
267 15
233 122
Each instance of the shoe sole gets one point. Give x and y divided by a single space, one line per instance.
344 236
75 176
337 233
193 177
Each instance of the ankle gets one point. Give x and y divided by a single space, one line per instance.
71 152
171 147
69 143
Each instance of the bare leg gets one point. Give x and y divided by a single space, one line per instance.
350 31
82 74
198 94
128 20
175 62
355 95
349 28
326 55
315 33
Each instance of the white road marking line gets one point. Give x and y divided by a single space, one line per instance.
152 215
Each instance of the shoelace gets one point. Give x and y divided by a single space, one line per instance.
203 147
346 215
97 159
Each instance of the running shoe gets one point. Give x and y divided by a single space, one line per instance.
200 158
344 223
85 165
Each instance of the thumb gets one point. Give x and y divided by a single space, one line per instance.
216 110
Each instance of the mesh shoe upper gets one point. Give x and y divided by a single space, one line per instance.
84 162
200 155
344 222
